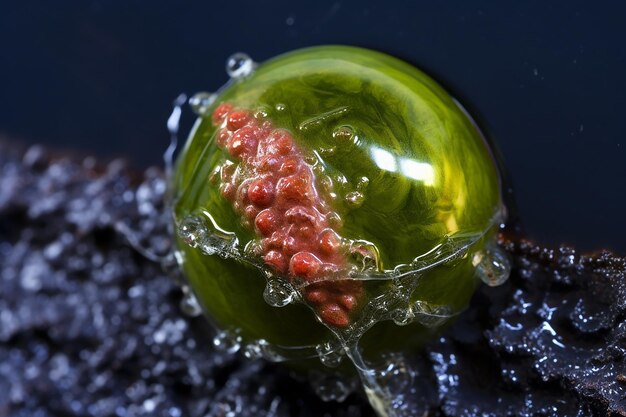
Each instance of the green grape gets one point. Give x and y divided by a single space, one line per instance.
334 200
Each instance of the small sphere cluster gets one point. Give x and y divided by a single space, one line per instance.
271 185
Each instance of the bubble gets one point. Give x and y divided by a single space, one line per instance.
327 151
261 114
334 220
262 349
239 65
226 341
493 265
278 292
330 354
365 254
403 316
355 199
343 133
201 102
192 231
326 183
253 351
362 183
430 315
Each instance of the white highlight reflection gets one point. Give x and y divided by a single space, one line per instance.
384 159
411 168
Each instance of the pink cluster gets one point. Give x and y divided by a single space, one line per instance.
272 186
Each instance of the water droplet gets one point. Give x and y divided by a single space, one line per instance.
362 183
330 354
493 265
252 351
261 349
214 240
192 231
326 183
239 65
311 159
189 303
280 107
355 199
201 102
365 255
253 249
343 133
278 292
261 114
403 316
334 220
430 315
226 341
318 169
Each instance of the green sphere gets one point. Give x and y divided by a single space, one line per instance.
334 194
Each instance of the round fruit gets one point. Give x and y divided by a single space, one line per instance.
330 195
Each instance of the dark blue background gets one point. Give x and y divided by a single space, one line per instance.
548 78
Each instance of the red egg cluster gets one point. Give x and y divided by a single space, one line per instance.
273 188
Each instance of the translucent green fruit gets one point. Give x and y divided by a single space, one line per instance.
332 201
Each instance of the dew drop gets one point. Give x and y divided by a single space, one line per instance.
252 351
334 220
343 133
362 184
201 102
493 265
365 255
280 107
278 292
403 316
355 199
261 349
189 303
430 315
226 341
261 114
192 231
253 249
311 159
326 183
330 354
239 65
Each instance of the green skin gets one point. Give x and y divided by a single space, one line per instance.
391 106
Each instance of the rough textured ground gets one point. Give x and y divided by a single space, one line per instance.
91 327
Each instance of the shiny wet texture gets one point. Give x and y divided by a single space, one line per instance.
90 326
273 190
347 151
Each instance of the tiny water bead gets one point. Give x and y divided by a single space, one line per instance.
200 102
239 65
335 203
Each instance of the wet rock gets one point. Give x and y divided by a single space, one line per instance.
91 325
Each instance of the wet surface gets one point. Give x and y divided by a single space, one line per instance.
90 326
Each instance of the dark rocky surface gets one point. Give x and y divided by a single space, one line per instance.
90 326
